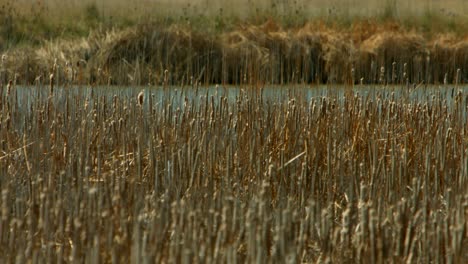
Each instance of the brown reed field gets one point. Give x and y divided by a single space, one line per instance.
278 136
187 175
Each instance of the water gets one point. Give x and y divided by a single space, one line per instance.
25 100
28 96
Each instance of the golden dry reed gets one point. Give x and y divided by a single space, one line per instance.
187 176
247 54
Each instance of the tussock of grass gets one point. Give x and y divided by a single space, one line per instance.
249 54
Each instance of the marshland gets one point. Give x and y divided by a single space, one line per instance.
232 132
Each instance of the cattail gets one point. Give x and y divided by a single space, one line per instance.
38 79
382 75
405 74
15 79
457 77
54 70
2 70
291 177
166 77
69 72
428 62
99 75
345 229
51 78
140 98
4 58
78 72
10 84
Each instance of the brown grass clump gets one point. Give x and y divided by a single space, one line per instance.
339 55
141 56
384 48
248 54
448 53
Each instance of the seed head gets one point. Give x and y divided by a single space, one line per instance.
140 98
10 83
51 78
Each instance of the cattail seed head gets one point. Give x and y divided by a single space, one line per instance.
457 77
51 78
4 58
10 84
140 98
382 74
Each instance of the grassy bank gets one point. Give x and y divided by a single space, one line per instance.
316 52
266 42
27 22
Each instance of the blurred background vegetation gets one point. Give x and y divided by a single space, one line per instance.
29 22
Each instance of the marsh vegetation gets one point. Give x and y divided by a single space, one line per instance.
222 44
173 138
214 176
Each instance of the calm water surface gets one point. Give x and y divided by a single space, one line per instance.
30 98
28 95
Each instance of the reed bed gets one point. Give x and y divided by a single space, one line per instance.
313 53
195 175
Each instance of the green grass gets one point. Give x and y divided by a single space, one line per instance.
29 22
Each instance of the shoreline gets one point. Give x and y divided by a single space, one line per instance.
248 54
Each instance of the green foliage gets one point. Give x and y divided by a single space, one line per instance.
33 23
91 15
390 10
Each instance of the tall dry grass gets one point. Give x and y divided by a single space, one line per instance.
106 175
248 54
